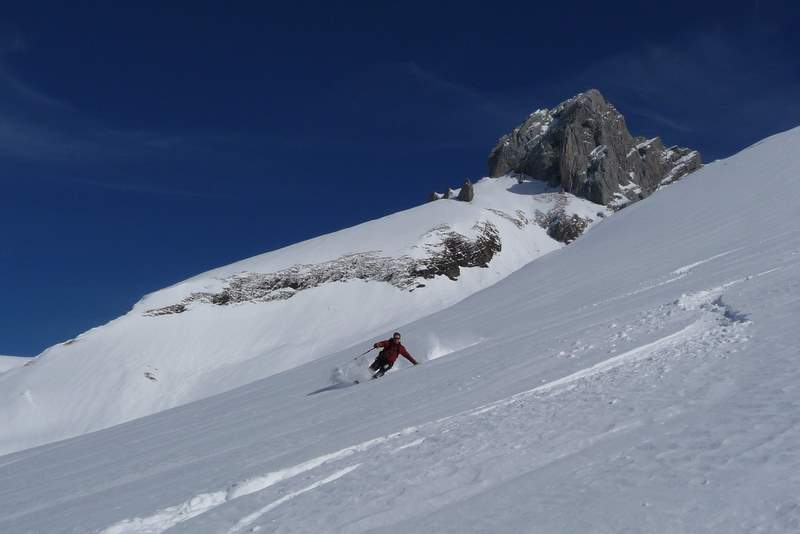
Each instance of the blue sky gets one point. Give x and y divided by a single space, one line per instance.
142 143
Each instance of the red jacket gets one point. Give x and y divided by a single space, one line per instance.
391 351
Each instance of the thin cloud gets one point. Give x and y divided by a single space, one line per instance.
479 101
37 126
401 106
23 140
26 92
699 88
13 43
658 118
152 189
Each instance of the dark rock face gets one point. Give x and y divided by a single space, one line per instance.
584 146
567 229
559 225
447 254
167 310
457 251
467 192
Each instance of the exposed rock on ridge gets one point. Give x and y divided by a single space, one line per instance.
584 146
465 194
445 257
559 224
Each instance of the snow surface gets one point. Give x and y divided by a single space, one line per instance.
9 362
137 365
644 379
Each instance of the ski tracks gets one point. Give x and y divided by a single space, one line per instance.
462 454
674 276
204 502
251 518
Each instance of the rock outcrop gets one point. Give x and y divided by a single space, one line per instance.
567 228
560 225
449 252
465 194
583 146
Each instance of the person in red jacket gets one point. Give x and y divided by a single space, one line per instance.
392 349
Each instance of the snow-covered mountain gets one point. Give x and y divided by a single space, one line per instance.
643 379
273 312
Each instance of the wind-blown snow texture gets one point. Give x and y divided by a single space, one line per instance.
644 379
273 312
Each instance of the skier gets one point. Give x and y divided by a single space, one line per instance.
392 349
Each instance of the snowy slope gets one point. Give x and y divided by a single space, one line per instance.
9 362
644 379
177 345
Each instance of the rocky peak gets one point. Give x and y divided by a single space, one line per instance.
583 145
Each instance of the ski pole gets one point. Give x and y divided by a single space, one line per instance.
364 353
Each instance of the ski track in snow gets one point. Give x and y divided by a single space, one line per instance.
248 520
677 275
714 324
199 504
686 268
